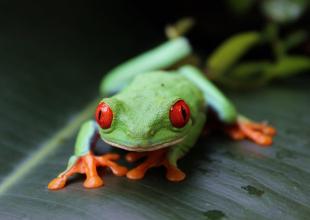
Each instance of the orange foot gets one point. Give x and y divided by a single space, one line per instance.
153 159
260 133
88 164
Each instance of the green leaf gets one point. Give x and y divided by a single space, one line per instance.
288 66
222 175
246 75
253 74
294 39
230 51
249 70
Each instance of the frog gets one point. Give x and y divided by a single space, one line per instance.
156 113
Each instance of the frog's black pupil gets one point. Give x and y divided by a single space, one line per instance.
99 115
184 114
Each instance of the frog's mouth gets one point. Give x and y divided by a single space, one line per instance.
151 147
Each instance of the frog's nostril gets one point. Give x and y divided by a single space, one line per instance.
140 133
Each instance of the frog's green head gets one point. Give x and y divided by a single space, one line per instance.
137 124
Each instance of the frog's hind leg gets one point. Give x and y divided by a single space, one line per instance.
237 126
158 58
260 133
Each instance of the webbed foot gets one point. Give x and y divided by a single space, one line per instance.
260 133
153 159
88 164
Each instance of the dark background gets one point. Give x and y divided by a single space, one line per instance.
97 27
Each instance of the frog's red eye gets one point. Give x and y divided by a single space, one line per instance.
179 114
104 115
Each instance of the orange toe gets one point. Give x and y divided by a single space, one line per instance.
259 133
234 132
269 130
118 170
134 156
93 182
135 174
259 138
174 174
264 140
108 161
57 183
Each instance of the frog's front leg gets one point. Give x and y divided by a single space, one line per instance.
85 162
167 157
153 159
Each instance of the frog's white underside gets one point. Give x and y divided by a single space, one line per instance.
148 148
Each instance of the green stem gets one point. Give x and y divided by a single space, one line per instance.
276 43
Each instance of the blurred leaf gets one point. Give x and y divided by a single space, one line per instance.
249 75
230 51
288 66
240 6
284 11
294 39
249 70
243 83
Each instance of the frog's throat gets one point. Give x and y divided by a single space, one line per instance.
146 148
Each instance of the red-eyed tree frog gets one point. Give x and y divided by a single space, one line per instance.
154 114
